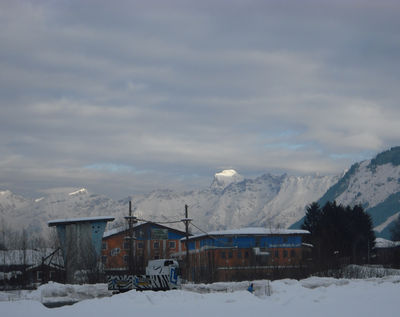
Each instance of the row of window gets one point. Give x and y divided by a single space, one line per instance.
285 253
239 254
140 245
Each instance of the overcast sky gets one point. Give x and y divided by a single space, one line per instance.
123 97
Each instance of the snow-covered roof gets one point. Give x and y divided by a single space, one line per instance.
250 231
120 229
383 243
123 228
74 220
113 231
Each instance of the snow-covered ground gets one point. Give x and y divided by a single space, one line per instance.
314 296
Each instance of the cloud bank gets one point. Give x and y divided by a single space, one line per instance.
130 96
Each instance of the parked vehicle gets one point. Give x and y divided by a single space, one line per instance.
162 274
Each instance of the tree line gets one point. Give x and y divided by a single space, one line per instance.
339 234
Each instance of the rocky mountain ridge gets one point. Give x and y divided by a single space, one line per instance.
230 202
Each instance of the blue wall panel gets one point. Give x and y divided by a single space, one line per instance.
250 241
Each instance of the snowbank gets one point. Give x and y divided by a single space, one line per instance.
311 297
54 293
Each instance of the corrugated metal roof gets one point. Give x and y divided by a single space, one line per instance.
249 231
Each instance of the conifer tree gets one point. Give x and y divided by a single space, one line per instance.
339 232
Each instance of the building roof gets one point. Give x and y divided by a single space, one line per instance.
114 231
250 231
76 220
125 228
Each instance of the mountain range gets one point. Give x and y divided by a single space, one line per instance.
231 201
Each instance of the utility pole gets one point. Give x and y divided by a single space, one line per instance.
131 258
186 221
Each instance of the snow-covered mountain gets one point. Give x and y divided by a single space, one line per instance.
17 212
231 201
374 184
10 201
268 200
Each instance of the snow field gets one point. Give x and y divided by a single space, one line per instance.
310 297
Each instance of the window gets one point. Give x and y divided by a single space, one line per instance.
104 259
246 254
223 255
140 245
126 245
277 253
285 239
156 245
39 275
115 251
292 253
52 275
285 253
104 246
168 262
172 245
239 254
126 258
230 254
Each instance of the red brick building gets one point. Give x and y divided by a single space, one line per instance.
151 241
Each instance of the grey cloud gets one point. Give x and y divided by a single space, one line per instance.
176 90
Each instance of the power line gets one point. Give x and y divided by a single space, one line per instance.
200 229
212 237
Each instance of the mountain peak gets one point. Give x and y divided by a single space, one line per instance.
225 178
227 173
80 191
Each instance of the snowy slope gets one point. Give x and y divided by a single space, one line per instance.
375 184
370 187
296 192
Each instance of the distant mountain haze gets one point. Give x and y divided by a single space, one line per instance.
231 201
